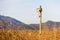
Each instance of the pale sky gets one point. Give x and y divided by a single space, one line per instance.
25 10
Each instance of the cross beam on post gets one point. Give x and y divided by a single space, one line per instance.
39 12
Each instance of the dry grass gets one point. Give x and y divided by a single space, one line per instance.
30 34
19 35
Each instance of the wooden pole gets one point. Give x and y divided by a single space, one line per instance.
40 23
39 10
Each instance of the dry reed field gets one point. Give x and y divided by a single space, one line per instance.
30 34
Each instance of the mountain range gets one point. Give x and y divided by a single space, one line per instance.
11 23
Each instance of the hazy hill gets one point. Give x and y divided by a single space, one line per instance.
9 20
11 23
49 24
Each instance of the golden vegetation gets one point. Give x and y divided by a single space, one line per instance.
30 34
19 35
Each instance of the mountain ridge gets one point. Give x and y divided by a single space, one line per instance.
10 22
18 25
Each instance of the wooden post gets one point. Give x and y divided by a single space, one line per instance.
39 11
40 25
